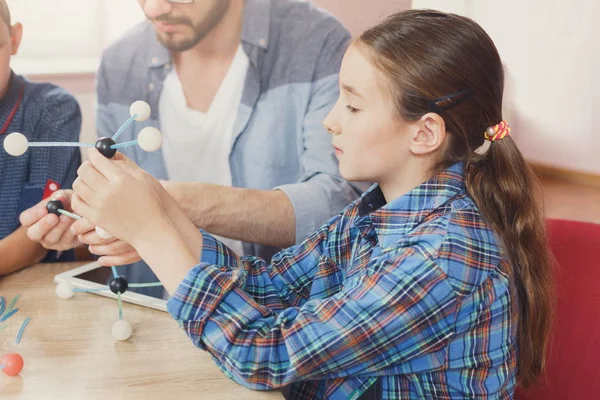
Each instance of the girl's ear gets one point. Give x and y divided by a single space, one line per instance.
429 134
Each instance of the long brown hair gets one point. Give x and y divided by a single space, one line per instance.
447 64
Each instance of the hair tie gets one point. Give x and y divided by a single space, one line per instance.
497 132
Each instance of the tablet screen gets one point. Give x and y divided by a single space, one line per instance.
135 273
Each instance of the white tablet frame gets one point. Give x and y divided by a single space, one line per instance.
129 297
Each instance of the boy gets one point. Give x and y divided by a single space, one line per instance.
41 112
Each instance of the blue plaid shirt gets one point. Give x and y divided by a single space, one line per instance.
46 114
413 296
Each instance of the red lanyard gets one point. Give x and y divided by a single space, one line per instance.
14 110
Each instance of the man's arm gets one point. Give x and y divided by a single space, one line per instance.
256 216
291 213
18 251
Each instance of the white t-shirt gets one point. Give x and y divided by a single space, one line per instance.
196 145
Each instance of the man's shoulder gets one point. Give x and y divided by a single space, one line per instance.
305 24
306 43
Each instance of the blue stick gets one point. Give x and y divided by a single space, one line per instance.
122 128
143 285
79 290
120 305
124 144
114 271
12 303
2 305
20 334
68 214
8 315
60 144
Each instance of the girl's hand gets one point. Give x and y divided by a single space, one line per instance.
119 197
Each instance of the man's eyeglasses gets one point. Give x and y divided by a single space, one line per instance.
181 1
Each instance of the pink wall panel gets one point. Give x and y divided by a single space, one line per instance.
358 15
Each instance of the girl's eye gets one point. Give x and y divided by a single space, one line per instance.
352 109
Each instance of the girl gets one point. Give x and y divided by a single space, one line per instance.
435 284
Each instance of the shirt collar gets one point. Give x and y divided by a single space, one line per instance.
401 215
257 21
255 32
11 97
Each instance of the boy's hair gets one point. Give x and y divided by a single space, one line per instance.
5 13
447 61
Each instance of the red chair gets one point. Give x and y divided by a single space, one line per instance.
574 356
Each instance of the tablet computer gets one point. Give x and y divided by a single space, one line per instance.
93 276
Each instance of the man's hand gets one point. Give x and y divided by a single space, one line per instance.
112 251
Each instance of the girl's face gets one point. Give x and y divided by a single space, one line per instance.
371 142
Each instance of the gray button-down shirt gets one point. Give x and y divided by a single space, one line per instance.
295 52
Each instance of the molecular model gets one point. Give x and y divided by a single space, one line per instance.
149 139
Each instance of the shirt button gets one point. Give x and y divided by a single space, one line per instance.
151 86
262 42
154 60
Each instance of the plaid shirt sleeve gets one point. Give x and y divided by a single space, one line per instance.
402 308
284 283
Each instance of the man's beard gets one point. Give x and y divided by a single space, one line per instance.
179 45
199 31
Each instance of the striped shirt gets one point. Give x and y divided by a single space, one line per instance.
413 296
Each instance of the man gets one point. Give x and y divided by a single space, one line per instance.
239 90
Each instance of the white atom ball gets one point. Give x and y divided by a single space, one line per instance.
64 290
150 139
16 144
103 234
122 330
141 110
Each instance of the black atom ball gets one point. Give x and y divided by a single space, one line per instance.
53 206
103 146
117 285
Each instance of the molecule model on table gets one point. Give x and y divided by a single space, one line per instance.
121 329
149 139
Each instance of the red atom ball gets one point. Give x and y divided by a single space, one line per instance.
13 364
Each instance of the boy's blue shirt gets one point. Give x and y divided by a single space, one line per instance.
42 112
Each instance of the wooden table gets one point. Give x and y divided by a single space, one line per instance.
70 353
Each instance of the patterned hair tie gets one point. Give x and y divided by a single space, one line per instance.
497 132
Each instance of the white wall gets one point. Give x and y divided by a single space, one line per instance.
551 56
68 36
